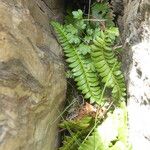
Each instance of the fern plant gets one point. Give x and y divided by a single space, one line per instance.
88 48
87 81
90 55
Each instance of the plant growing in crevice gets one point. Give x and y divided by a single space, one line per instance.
88 46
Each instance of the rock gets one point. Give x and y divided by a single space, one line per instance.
136 64
32 80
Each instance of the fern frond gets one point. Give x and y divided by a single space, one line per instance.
72 142
107 64
77 125
78 129
87 80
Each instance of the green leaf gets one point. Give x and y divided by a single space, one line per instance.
72 59
78 14
73 38
102 11
74 64
84 49
96 33
87 39
78 73
71 142
89 31
107 65
111 134
71 29
80 25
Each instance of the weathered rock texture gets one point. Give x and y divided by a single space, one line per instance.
135 30
32 82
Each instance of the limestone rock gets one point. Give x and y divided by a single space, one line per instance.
32 81
135 31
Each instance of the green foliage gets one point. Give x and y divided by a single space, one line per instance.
88 44
87 80
112 130
77 125
78 130
106 63
110 135
99 56
78 14
103 12
72 142
94 142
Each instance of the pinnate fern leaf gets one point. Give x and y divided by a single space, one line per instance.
107 64
87 80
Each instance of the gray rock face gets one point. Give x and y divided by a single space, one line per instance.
135 30
32 81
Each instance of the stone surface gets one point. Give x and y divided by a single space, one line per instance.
32 81
135 31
